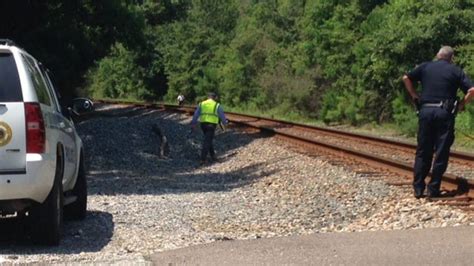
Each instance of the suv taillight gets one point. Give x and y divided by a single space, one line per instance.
35 133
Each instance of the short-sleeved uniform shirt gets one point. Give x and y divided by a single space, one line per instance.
440 80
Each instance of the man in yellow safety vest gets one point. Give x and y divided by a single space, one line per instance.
209 113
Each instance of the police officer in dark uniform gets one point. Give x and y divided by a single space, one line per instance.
437 106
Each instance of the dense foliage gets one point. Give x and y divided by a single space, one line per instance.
68 36
337 61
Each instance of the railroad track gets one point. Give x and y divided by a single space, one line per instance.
378 158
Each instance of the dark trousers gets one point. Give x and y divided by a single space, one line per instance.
435 135
208 130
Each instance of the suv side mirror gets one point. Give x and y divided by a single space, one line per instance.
81 106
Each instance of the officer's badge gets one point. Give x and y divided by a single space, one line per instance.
5 134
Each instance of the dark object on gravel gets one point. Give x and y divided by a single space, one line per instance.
164 147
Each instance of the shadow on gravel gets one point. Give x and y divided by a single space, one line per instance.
123 154
89 235
173 183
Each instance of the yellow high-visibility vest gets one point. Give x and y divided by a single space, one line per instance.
209 112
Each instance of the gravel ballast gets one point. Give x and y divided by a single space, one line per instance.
141 202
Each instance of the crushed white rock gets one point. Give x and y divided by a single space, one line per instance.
140 203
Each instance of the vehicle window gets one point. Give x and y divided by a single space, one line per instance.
50 87
63 104
38 81
10 87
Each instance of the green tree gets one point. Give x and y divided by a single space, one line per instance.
68 36
386 51
189 45
117 76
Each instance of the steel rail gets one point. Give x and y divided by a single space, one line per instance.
467 158
464 157
450 182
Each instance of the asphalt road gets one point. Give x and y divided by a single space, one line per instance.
440 246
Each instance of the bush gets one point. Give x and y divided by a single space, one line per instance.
349 106
404 115
465 121
117 76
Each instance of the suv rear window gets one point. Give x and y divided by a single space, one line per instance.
38 81
10 88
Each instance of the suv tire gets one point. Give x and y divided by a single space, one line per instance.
47 218
78 209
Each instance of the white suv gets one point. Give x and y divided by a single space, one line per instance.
41 155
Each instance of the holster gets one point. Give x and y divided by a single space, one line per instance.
451 106
417 106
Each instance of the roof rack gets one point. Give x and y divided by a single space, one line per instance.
7 42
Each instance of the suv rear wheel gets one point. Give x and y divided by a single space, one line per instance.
47 218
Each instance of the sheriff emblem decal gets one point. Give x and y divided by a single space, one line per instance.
5 134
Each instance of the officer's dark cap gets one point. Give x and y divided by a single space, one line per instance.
212 95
